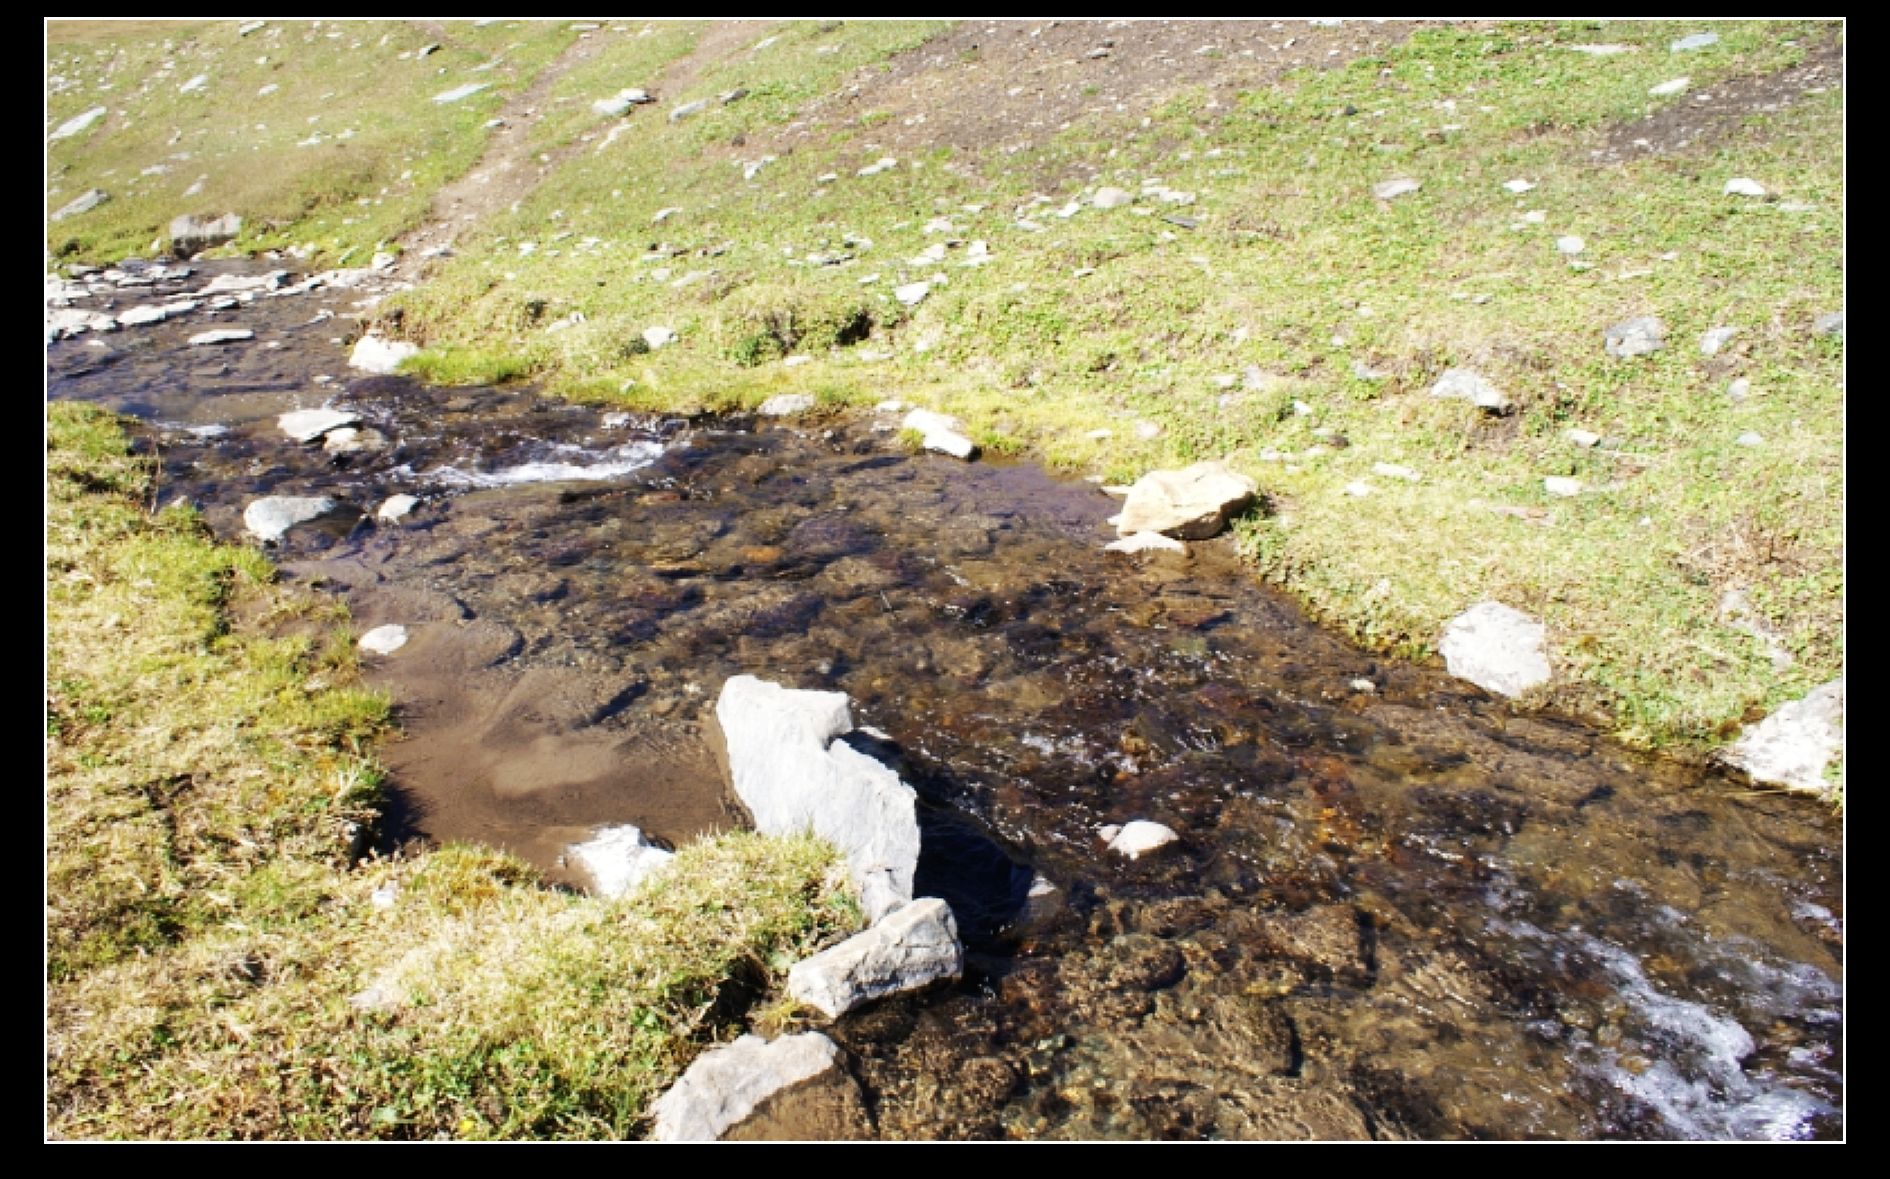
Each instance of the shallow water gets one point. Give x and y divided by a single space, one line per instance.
1402 912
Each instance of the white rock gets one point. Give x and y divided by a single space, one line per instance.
725 1085
1111 198
1467 385
1750 439
1358 489
195 84
793 775
1674 86
376 355
941 432
1189 504
73 321
618 859
384 640
396 507
222 336
1635 337
689 108
1391 189
912 293
663 215
1742 186
1561 485
1739 389
1829 324
1600 50
155 313
1518 186
1142 542
786 405
657 337
306 425
268 518
85 202
1535 216
459 92
1497 648
1570 244
1791 747
385 896
1695 41
1394 471
878 166
1363 685
911 947
1140 837
1583 438
76 124
1715 339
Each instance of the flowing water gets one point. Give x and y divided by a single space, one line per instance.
1398 908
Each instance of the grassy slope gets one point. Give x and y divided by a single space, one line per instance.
206 932
385 147
1296 272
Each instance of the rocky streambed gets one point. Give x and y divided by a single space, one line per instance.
1396 907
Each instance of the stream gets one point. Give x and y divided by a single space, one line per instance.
1398 908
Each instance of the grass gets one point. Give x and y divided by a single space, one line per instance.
211 938
1239 338
322 135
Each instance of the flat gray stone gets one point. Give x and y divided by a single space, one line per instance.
1713 339
76 124
725 1085
911 947
155 313
85 202
222 336
940 432
793 775
270 517
1386 190
1497 648
1111 198
1791 747
689 108
306 425
618 859
1831 324
1146 542
1464 384
785 405
1639 336
459 92
1695 41
191 234
913 293
1190 504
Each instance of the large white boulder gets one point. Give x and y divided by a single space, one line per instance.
1497 648
725 1085
1791 747
911 947
1190 504
793 775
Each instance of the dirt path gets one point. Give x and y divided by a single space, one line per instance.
509 170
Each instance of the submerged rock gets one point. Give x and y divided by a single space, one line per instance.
191 234
270 517
376 355
1791 747
306 425
1189 504
911 947
619 858
725 1085
1145 542
1139 837
1497 648
794 775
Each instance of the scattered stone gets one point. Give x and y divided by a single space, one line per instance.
155 313
192 235
72 321
1743 186
657 337
1750 439
1831 324
689 108
427 50
76 124
249 27
1144 542
620 102
1148 431
1189 504
195 84
912 293
1695 41
1497 648
384 640
1635 337
796 361
1467 385
663 215
725 1085
1570 244
1365 372
1363 685
1561 485
735 95
911 947
1671 87
1386 190
376 355
1358 489
306 425
1394 471
85 202
459 92
348 440
786 405
1600 50
1583 438
1140 837
396 507
877 166
1535 217
940 432
222 336
1518 186
1111 198
1739 389
1715 338
268 518
794 775
1791 747
618 859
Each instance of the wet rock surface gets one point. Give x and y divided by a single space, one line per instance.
1404 913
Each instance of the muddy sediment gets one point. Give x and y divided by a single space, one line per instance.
1398 908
